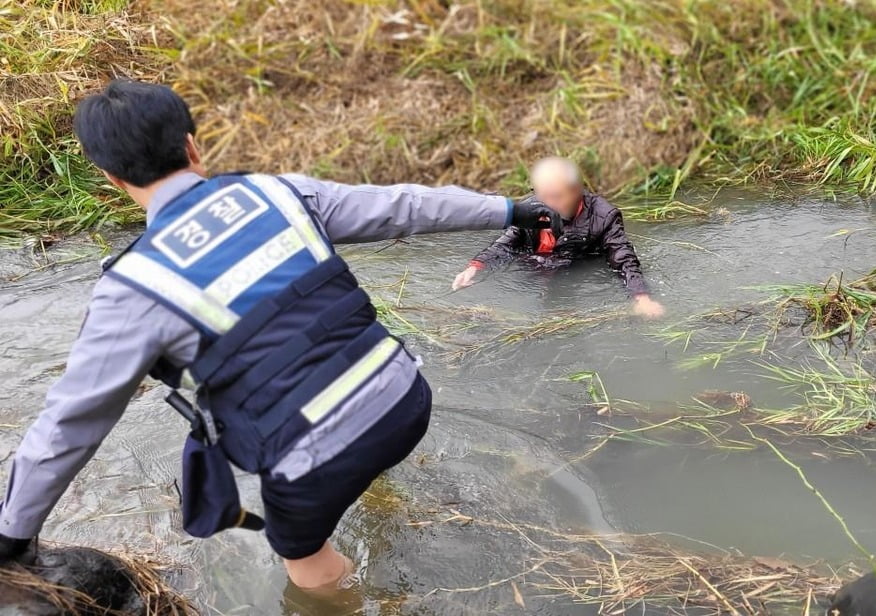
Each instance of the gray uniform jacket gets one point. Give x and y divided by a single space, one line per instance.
125 333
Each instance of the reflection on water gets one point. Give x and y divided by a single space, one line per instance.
510 435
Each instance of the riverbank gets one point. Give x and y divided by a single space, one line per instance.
646 96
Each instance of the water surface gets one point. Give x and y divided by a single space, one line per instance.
504 451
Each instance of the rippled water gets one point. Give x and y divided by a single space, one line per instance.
508 426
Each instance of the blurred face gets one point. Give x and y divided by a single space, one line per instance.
559 194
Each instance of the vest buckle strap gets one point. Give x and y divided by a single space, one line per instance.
242 332
259 374
203 425
333 382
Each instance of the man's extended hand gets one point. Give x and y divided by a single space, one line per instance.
857 598
11 548
644 306
465 278
533 214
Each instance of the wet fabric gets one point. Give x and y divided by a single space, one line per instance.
547 241
302 515
598 229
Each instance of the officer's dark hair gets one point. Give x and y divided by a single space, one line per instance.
135 131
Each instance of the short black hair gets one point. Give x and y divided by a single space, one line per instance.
135 131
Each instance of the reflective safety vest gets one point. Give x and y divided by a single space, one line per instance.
287 334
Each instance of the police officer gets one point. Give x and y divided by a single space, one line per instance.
235 291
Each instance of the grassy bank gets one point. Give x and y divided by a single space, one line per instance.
646 95
51 55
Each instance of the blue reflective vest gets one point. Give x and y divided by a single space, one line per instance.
287 333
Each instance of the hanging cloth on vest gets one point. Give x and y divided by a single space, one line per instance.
287 334
210 499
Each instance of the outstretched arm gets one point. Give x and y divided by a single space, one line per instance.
109 359
368 213
501 251
622 258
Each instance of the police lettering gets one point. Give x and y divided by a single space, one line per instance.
192 234
227 209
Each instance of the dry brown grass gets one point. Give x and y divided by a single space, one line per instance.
281 86
640 573
53 54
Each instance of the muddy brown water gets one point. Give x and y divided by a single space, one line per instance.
508 425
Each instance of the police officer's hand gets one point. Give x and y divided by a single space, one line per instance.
856 598
533 214
11 548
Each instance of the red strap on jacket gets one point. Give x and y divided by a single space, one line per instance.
546 240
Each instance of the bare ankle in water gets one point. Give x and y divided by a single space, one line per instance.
320 572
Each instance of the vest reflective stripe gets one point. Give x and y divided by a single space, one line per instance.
187 381
175 290
294 211
353 378
243 274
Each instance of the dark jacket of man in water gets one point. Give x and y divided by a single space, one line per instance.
591 226
235 289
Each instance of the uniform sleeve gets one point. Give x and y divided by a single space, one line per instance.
503 249
621 255
368 213
119 342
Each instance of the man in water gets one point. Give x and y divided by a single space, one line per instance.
591 225
235 290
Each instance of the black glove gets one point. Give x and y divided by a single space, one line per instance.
11 548
528 214
856 598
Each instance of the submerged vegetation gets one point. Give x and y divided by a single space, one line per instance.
836 309
645 95
639 573
834 382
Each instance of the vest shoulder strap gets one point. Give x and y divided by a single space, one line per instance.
111 260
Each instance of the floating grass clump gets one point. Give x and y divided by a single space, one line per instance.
837 398
836 309
645 95
834 387
836 312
